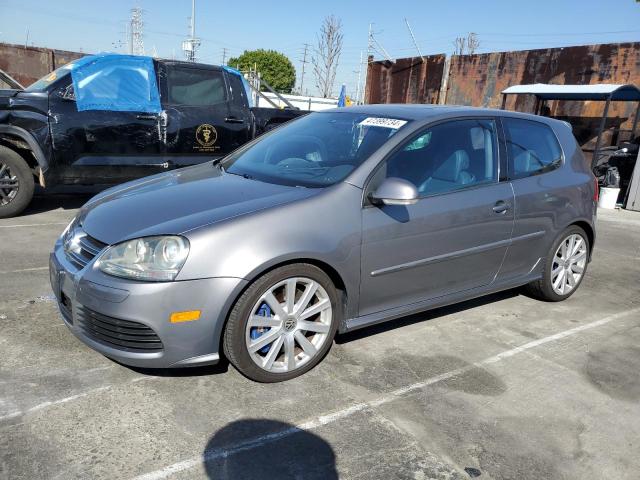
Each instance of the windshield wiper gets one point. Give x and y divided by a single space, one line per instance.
243 175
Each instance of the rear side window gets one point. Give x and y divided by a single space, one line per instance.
195 87
532 147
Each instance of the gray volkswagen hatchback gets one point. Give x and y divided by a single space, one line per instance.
335 221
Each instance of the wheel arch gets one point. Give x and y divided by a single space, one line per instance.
328 269
588 229
11 133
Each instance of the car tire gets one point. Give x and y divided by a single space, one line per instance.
552 287
16 175
240 336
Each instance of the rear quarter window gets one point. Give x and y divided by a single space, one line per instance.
532 147
195 87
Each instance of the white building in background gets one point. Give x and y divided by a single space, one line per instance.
303 102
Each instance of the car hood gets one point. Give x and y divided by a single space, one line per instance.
176 202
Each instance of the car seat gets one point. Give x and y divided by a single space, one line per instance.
450 175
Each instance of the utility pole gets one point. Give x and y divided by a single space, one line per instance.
136 46
304 62
359 77
191 44
224 56
369 56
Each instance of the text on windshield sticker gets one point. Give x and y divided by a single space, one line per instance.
393 123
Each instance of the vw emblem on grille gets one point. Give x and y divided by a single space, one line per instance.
73 241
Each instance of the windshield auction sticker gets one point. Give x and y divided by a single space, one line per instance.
393 123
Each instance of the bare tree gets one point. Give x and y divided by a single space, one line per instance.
459 45
327 54
466 46
472 43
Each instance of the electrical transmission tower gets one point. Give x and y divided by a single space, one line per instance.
136 45
304 62
191 44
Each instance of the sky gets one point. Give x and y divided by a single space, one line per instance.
91 26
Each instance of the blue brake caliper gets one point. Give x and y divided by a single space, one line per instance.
256 332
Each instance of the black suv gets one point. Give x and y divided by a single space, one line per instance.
204 113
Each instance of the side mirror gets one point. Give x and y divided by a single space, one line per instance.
395 191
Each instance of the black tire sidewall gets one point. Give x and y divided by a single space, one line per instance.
234 335
547 286
26 183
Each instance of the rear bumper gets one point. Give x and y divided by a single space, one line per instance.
123 307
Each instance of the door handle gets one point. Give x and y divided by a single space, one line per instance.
500 207
146 117
233 120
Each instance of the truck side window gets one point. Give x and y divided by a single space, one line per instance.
189 86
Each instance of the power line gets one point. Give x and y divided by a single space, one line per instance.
224 55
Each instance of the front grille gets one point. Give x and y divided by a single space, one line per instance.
81 248
113 332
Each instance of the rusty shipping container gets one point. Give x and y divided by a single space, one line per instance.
477 80
28 64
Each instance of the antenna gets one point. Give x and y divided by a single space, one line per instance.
191 44
414 39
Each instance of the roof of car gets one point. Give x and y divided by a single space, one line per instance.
424 111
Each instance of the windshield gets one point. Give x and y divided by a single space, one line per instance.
317 150
49 78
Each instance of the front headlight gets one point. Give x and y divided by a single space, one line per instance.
154 259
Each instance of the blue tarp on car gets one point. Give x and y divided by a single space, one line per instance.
123 83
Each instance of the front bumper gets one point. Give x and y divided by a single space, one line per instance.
147 306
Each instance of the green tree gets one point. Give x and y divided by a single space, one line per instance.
274 67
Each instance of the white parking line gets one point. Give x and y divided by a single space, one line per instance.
321 420
34 225
44 405
35 269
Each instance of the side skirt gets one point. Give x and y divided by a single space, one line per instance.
374 318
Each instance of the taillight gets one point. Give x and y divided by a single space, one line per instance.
596 190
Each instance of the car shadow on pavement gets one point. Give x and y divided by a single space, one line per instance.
426 316
66 201
263 448
221 367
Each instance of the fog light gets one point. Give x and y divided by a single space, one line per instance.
189 316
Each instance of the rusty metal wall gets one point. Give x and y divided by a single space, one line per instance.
409 80
477 80
29 64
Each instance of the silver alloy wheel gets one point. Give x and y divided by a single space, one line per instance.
568 264
9 185
288 325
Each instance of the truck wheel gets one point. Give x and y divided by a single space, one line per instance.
16 183
283 324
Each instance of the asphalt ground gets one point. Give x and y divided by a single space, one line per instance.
503 387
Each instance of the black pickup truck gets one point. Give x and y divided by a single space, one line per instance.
83 125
